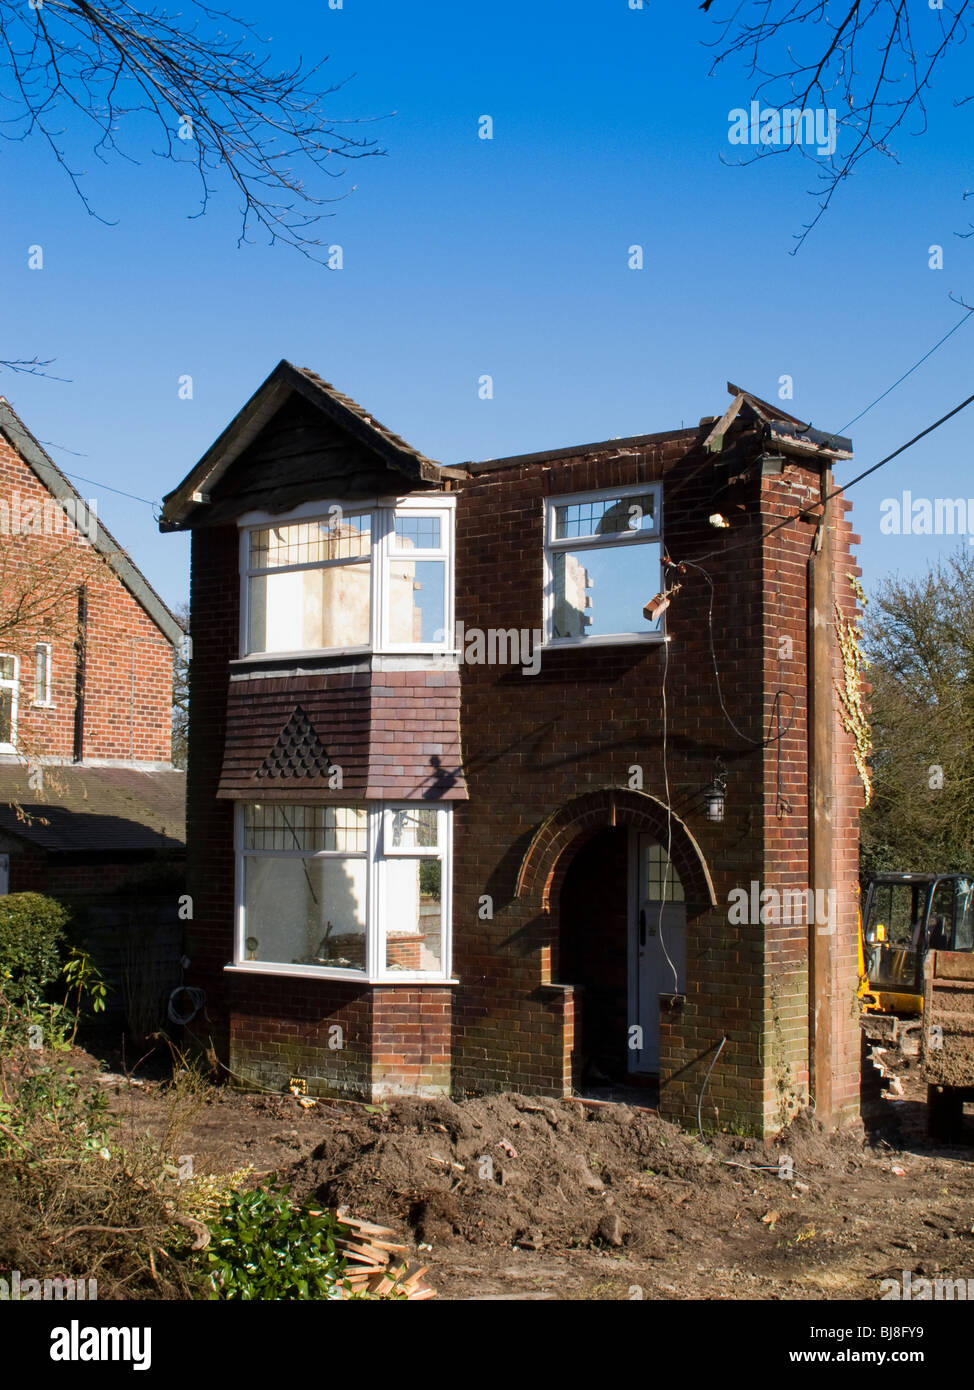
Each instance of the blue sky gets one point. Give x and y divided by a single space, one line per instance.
508 257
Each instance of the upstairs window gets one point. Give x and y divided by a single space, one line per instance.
8 703
42 673
351 581
603 563
309 585
417 580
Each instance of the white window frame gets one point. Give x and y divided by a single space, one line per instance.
14 686
553 545
416 508
46 702
382 512
377 911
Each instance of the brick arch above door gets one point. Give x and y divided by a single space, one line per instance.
584 816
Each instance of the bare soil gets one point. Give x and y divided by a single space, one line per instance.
511 1197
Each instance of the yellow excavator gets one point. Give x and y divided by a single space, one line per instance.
904 917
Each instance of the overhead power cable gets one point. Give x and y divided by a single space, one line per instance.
903 378
105 488
804 511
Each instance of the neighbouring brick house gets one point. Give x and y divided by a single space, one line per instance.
90 804
462 817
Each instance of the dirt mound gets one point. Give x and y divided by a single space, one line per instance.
533 1173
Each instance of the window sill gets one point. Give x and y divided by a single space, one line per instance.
623 639
313 972
346 653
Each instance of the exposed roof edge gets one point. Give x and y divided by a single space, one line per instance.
604 446
40 463
285 380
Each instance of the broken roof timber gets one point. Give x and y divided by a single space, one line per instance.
782 429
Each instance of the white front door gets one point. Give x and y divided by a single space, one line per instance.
657 950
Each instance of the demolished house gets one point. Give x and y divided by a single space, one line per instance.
526 773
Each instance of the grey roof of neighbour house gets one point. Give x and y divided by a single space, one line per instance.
95 809
40 462
286 382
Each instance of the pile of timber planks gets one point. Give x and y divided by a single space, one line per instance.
376 1263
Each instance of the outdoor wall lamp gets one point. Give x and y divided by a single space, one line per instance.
716 794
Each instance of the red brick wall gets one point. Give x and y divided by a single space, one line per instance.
532 743
128 687
849 801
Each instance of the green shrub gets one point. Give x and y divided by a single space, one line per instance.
264 1246
30 939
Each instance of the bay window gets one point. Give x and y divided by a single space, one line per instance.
348 891
603 563
350 580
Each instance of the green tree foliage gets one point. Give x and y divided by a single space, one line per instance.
31 935
919 638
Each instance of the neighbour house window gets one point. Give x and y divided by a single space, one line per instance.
344 890
8 702
602 565
350 580
42 673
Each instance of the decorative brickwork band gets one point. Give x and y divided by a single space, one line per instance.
585 815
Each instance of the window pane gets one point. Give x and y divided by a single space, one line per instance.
605 516
306 912
417 533
6 714
308 828
41 659
894 908
964 922
417 590
940 922
600 592
414 829
311 542
662 881
307 609
414 930
6 668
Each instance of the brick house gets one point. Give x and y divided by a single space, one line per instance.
89 800
469 811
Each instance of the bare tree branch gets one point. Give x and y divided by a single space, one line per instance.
215 103
864 62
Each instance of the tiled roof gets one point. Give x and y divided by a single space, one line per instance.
100 809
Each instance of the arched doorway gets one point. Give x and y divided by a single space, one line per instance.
618 877
622 930
658 947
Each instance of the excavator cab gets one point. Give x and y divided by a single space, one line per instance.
905 916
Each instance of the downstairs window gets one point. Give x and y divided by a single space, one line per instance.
357 891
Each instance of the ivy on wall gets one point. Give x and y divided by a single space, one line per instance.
854 718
